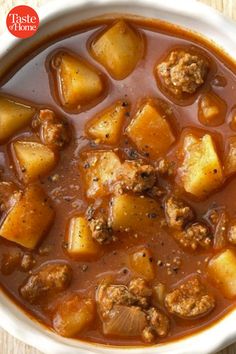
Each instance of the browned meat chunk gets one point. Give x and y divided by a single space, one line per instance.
10 261
27 262
139 288
53 131
165 167
182 72
135 177
157 192
110 295
197 234
159 325
49 280
190 300
101 231
232 234
126 311
15 259
178 213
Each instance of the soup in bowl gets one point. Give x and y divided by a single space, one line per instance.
117 181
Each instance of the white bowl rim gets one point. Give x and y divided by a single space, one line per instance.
219 28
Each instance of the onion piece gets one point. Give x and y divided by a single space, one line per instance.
125 321
220 234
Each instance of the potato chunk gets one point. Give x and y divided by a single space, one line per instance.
222 270
150 131
98 169
29 219
142 263
79 239
106 126
230 157
201 171
13 117
211 110
118 49
73 315
32 159
136 213
78 82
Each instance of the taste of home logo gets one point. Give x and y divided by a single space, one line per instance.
22 21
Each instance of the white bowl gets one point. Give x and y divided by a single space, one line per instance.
54 16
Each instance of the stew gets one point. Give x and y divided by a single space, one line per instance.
117 182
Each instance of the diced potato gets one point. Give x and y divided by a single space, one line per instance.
118 49
211 110
136 213
78 82
33 160
29 219
201 170
79 239
142 263
73 315
150 131
13 117
99 169
159 292
230 158
106 127
222 270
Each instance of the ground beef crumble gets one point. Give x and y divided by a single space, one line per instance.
195 235
135 176
190 300
232 234
183 72
27 262
165 168
53 131
178 213
139 288
158 325
137 295
101 231
16 259
49 280
10 261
